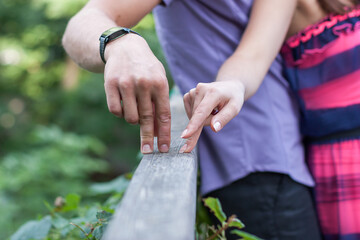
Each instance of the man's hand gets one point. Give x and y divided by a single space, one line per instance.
213 104
137 89
135 81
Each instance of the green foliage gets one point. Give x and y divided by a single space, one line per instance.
33 230
70 219
33 68
72 202
54 139
218 232
236 223
51 163
215 207
117 185
245 235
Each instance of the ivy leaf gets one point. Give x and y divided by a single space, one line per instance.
245 235
33 230
214 205
237 223
71 202
103 216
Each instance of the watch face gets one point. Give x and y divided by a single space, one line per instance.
110 31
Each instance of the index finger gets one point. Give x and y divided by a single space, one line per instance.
200 115
191 142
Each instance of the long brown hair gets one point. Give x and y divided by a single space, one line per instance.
336 6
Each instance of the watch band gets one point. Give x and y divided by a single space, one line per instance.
110 35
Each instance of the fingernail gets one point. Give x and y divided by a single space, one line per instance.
217 126
146 149
183 148
164 148
184 133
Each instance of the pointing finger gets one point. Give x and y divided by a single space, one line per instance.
200 115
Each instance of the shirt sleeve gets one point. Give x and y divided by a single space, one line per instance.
166 3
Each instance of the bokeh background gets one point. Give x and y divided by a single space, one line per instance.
56 134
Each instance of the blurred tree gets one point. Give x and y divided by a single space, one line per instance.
34 73
39 85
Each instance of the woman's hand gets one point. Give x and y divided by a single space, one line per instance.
213 104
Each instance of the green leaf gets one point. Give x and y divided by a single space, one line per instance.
99 231
71 202
103 216
245 235
33 230
119 185
214 205
87 230
62 225
59 222
237 223
90 214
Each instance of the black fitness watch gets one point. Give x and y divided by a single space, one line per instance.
112 34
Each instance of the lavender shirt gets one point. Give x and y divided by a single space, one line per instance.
197 37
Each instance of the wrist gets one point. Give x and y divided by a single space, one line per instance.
118 46
110 35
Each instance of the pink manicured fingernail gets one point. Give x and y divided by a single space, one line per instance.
217 126
164 148
184 133
183 148
146 149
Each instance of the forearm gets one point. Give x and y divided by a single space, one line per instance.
259 45
81 38
248 71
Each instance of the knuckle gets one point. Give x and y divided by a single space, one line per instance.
112 82
186 96
164 136
146 137
213 90
125 84
146 118
164 118
115 110
234 108
132 119
200 87
199 112
160 82
143 83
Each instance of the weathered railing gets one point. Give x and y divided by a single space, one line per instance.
160 202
